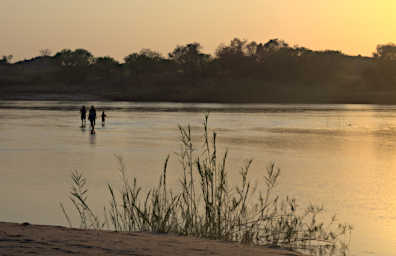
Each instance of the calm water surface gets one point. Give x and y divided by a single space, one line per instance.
341 156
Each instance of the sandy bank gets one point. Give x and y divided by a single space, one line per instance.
20 239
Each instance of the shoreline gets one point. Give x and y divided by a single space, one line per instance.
25 238
83 98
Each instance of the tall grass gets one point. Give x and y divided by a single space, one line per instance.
206 205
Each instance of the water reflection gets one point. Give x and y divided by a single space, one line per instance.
339 155
195 107
92 139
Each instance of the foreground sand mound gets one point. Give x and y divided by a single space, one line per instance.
26 239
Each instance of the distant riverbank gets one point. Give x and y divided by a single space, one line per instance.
241 72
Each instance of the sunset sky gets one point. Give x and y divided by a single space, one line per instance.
120 27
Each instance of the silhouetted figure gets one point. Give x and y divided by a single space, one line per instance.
103 118
83 112
92 118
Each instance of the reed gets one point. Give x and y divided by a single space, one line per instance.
206 205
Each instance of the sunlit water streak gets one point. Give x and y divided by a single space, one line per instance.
342 156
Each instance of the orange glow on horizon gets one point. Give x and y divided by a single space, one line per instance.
118 28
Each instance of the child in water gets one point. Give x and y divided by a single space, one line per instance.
103 118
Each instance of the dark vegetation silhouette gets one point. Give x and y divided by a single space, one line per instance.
240 71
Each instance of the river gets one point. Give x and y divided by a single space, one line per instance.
341 156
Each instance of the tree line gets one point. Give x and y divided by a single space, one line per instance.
241 70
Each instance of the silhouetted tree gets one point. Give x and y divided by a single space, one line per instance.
75 63
386 52
6 59
190 59
145 61
77 58
237 58
235 49
385 67
273 46
251 49
45 52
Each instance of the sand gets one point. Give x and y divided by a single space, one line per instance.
27 239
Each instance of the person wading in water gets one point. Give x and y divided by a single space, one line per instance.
103 118
83 112
92 118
